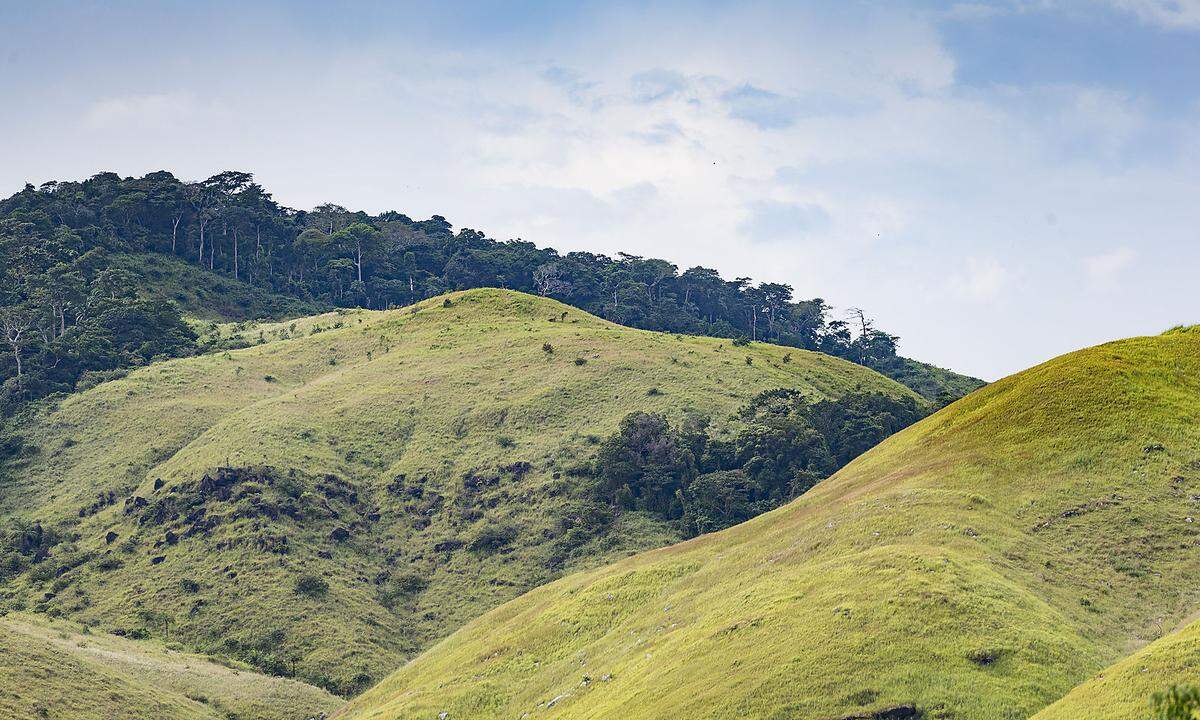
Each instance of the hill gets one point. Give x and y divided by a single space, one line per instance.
979 564
224 249
1123 691
351 486
60 671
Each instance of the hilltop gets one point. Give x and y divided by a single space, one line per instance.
980 564
94 275
349 487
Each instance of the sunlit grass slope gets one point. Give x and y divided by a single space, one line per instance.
53 670
977 565
1124 690
376 450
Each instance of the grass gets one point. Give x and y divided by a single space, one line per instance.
55 670
420 463
1124 691
980 564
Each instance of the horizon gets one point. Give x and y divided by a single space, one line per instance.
982 178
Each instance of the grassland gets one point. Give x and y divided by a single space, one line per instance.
372 455
56 670
978 565
1123 691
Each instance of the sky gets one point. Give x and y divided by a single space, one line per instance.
995 182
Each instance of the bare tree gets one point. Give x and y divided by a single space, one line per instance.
16 324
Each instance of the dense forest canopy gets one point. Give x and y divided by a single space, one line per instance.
67 312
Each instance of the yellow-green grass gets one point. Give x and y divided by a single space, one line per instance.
1124 691
56 670
977 565
453 386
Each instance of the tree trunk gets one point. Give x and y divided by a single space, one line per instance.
203 224
235 253
174 231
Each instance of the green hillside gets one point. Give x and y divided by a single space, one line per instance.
58 671
979 564
206 295
1124 690
354 485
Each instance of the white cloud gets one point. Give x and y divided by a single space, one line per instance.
983 279
1103 269
1176 14
161 111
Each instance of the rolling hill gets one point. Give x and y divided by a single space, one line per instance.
60 671
980 564
352 486
1123 690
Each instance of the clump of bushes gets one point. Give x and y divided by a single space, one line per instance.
310 585
493 536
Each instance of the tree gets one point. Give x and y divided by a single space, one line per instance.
16 324
550 279
361 240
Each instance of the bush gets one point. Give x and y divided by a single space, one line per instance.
493 536
311 585
580 361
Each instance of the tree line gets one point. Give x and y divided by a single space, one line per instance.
54 240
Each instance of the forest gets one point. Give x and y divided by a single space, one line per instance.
66 311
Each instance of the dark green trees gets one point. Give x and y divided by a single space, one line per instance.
784 444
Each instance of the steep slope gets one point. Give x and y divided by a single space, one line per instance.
385 476
1124 691
53 670
977 565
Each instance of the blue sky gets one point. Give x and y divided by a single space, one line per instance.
996 182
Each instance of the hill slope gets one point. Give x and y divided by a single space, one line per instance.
385 476
979 564
1124 691
52 670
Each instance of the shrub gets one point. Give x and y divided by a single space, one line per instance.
493 536
505 441
741 341
311 585
269 378
548 348
652 392
580 361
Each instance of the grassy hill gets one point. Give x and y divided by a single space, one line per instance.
354 485
979 564
1123 691
56 670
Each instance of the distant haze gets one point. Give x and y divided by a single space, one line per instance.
997 183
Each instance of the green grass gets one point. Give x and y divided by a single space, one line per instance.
206 295
1124 691
979 564
54 670
407 410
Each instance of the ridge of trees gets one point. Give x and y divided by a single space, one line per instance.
53 241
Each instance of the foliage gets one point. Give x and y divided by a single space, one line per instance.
786 444
230 224
1179 702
